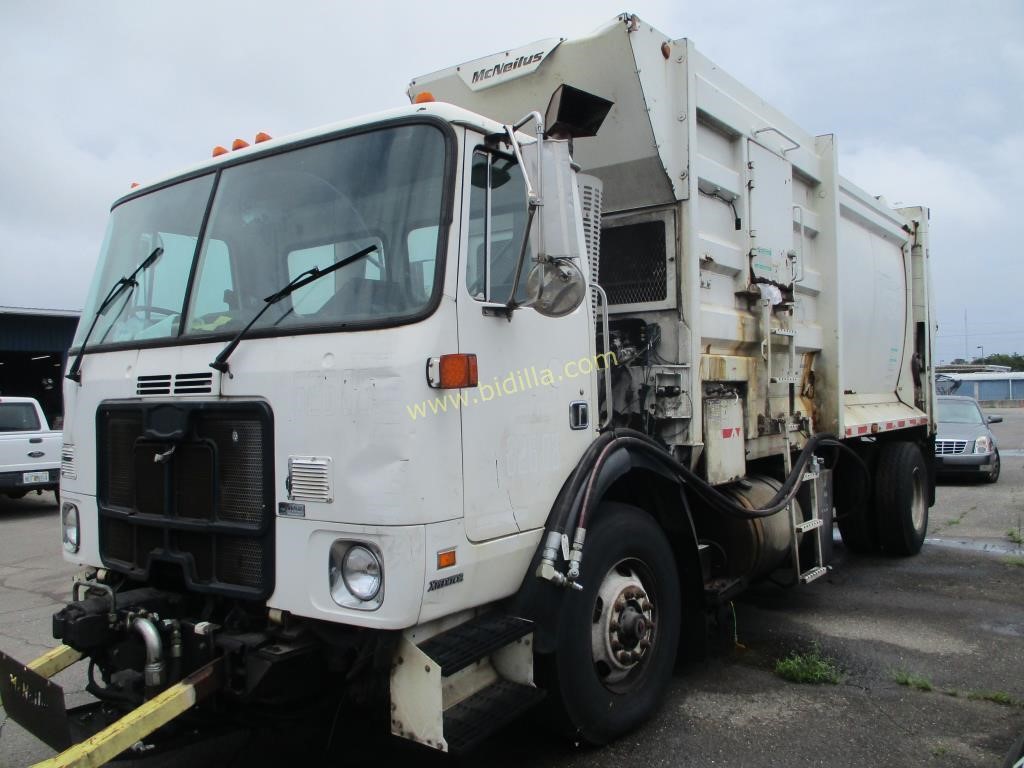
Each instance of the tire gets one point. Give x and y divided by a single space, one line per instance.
16 494
855 510
1015 754
901 497
993 475
626 557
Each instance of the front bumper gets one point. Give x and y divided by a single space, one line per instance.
964 463
15 481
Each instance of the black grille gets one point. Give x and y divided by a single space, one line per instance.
633 268
189 484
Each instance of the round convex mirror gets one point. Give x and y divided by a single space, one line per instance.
555 288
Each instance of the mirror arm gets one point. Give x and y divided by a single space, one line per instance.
511 303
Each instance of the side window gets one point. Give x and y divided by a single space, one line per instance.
497 223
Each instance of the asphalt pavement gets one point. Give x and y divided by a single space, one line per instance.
952 617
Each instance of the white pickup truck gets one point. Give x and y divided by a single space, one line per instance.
29 449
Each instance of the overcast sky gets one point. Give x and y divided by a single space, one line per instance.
926 98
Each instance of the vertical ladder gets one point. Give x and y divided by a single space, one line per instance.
801 527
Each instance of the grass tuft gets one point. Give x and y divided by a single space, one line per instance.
1015 536
996 697
810 667
1015 560
909 679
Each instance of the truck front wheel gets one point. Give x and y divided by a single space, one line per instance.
901 497
618 637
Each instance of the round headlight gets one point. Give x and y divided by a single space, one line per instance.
69 527
361 571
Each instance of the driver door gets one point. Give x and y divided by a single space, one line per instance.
521 429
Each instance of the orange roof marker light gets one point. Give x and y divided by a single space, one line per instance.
261 137
239 144
133 185
219 150
423 97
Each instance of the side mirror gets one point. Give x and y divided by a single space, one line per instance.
555 287
994 419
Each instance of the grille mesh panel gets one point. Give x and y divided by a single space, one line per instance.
632 266
240 445
121 432
241 562
202 499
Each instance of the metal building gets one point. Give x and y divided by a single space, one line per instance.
33 351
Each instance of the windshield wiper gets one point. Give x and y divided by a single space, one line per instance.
302 280
116 290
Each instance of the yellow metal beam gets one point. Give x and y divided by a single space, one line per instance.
139 723
54 661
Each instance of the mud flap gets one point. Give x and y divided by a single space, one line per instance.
35 703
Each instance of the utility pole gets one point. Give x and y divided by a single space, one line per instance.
965 333
982 348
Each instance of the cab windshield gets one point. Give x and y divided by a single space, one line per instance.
268 221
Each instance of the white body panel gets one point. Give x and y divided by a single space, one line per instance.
687 144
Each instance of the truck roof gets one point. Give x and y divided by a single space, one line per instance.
447 112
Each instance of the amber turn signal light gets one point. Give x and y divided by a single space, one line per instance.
445 559
458 371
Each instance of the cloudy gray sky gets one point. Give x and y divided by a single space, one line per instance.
926 97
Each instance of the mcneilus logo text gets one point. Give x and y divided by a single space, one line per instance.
499 69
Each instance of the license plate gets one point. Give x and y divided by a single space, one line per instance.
34 702
35 477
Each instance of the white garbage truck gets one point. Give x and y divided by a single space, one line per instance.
496 397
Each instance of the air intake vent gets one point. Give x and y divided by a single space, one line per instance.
193 383
67 462
153 385
309 479
591 190
183 384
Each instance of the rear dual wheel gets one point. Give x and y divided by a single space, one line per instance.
889 513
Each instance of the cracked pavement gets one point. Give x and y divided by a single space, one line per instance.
954 615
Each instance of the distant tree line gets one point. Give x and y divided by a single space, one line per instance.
1015 361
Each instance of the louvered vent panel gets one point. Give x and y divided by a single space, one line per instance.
193 383
159 384
591 190
67 462
309 479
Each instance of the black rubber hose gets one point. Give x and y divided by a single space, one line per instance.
563 507
622 438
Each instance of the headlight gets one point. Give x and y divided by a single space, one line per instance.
355 572
69 527
983 444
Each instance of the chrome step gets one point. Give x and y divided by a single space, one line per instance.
809 525
814 573
785 380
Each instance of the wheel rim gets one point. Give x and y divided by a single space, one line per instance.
918 504
624 625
